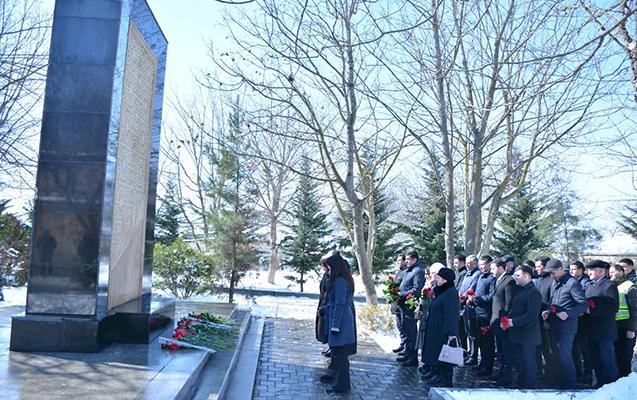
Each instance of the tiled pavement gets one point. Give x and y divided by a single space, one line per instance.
291 364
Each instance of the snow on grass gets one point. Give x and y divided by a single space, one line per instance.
14 296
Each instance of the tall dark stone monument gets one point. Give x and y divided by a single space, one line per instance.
91 252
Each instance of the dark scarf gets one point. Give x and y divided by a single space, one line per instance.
438 290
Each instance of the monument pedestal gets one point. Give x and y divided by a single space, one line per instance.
90 267
139 321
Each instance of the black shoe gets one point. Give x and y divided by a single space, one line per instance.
503 382
436 380
585 379
428 375
476 367
328 353
330 390
326 379
325 351
483 372
424 369
471 361
412 362
402 353
399 349
495 378
403 358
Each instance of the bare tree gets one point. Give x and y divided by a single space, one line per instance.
490 87
24 31
309 58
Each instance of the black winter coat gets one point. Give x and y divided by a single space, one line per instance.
398 279
525 309
483 298
502 301
460 276
544 283
600 322
441 323
566 295
319 325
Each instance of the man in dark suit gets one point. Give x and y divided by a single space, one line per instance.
524 326
480 302
412 283
629 269
567 303
460 266
395 309
583 370
510 264
599 322
502 300
543 283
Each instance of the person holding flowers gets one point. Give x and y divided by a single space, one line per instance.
426 298
567 303
599 321
523 326
480 302
502 300
395 281
412 284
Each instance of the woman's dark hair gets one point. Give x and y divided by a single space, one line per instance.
338 267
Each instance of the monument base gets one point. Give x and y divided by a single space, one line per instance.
139 321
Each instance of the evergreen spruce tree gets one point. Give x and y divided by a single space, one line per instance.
520 232
426 228
168 219
235 242
304 248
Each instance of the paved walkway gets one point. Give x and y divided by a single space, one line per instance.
291 364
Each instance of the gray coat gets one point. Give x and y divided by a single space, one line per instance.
441 323
339 315
412 283
502 300
566 295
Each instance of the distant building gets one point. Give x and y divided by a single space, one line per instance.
614 248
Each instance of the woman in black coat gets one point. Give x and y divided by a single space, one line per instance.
340 325
320 318
442 326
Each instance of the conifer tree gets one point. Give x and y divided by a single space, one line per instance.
305 247
520 231
426 228
235 241
168 219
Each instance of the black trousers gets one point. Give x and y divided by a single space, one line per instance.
401 328
527 368
340 363
410 326
582 357
471 329
623 349
462 334
486 343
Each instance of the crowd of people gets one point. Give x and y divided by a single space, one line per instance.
561 324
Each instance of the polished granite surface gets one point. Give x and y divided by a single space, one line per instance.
121 371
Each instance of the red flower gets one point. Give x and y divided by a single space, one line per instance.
462 297
504 321
426 290
430 294
470 292
553 308
485 330
395 291
174 346
409 296
391 278
591 304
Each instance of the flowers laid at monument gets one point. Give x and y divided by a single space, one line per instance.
202 331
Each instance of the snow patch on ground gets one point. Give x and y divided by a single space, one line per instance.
497 394
14 296
385 341
621 389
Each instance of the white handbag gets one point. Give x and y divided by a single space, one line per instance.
452 355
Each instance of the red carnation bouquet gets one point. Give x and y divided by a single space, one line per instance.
484 330
505 321
553 308
463 297
470 292
591 304
412 301
391 291
428 292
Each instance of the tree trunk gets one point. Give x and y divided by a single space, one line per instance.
233 276
446 143
364 262
301 282
274 254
